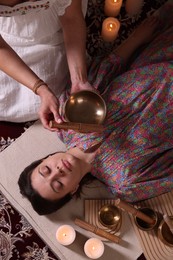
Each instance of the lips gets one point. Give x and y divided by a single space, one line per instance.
67 165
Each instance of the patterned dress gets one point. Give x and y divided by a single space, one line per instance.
135 157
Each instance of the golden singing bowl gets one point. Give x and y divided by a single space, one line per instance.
85 107
144 225
164 233
109 215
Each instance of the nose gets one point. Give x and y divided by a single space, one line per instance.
57 172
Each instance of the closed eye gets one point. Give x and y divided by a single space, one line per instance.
56 186
43 170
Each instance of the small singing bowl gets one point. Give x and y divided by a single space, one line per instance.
141 224
109 216
85 107
165 234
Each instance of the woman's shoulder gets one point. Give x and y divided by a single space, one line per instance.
63 4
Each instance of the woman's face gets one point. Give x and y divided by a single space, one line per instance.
56 176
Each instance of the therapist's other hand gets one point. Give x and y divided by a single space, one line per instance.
81 86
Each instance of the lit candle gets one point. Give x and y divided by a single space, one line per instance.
133 7
94 248
110 28
65 235
112 7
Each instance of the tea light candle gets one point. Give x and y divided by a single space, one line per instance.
65 235
110 28
94 248
112 7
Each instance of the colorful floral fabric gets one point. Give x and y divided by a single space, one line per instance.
135 158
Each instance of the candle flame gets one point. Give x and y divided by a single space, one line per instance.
111 27
115 1
64 234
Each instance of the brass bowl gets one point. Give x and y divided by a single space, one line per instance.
85 107
144 225
164 233
110 216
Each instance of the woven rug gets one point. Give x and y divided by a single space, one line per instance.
18 239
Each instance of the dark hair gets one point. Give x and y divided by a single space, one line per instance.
41 205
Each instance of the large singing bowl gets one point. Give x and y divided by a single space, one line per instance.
85 107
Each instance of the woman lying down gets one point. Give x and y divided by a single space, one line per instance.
133 156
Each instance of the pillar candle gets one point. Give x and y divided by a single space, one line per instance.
65 235
94 248
112 7
133 7
110 28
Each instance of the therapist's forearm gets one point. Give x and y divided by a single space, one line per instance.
76 52
74 32
13 66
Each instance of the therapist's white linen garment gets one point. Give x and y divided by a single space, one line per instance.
34 31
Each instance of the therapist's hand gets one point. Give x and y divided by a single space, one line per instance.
49 108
